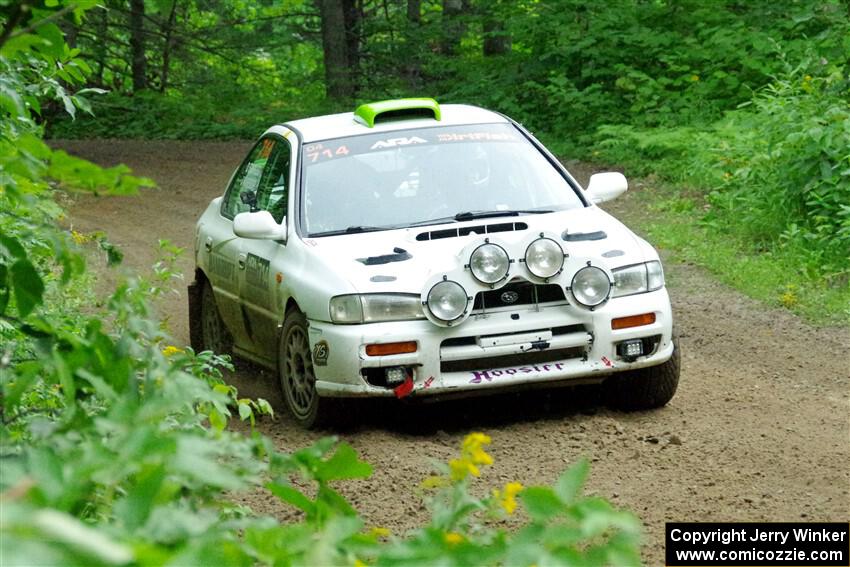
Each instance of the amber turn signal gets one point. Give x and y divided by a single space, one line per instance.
384 349
633 321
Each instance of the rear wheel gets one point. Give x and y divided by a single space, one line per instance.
214 334
645 388
295 368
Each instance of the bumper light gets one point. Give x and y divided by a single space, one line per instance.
630 350
383 349
396 375
633 321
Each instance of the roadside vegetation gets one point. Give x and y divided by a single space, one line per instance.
114 443
739 109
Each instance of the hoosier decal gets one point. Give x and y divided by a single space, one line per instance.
488 375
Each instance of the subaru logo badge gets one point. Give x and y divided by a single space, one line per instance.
509 297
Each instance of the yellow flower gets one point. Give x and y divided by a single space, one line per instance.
358 563
379 532
694 78
434 482
79 237
788 299
463 467
171 350
453 538
507 496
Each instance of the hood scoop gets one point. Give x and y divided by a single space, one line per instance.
580 236
398 255
467 230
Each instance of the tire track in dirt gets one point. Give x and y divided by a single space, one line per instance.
759 429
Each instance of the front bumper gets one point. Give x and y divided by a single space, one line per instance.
455 360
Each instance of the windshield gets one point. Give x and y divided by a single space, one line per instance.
428 175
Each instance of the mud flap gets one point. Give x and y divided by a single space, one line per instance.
196 337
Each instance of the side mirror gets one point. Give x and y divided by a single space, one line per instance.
606 186
259 225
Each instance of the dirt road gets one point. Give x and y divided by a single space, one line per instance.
759 430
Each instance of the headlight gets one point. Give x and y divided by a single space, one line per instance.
544 258
590 286
639 278
489 263
375 307
447 300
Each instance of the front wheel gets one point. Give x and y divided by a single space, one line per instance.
645 388
297 379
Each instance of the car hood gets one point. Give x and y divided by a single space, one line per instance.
402 260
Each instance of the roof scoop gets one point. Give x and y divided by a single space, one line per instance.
373 113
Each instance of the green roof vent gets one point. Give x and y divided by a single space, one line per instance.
399 109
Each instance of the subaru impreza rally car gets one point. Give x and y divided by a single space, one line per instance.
412 249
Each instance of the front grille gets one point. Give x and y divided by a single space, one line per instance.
523 359
526 293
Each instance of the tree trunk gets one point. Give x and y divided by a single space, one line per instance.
137 45
453 28
353 17
101 29
166 47
496 40
414 11
338 75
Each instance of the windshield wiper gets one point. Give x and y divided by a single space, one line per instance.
472 215
352 230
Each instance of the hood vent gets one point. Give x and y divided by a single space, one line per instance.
467 230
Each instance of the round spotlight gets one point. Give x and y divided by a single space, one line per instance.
544 258
447 300
489 263
591 286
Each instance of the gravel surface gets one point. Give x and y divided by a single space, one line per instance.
758 430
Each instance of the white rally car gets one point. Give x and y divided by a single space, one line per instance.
416 249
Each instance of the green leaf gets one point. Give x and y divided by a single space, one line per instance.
245 412
27 285
343 465
570 482
294 497
541 502
135 509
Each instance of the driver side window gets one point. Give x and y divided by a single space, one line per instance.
262 180
247 180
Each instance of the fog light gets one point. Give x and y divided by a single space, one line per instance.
396 375
630 349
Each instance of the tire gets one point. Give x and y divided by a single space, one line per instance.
297 379
645 388
214 334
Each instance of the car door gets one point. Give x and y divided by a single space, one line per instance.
258 285
227 259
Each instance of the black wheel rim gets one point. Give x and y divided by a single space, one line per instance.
298 380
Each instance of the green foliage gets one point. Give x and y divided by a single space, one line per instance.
777 171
